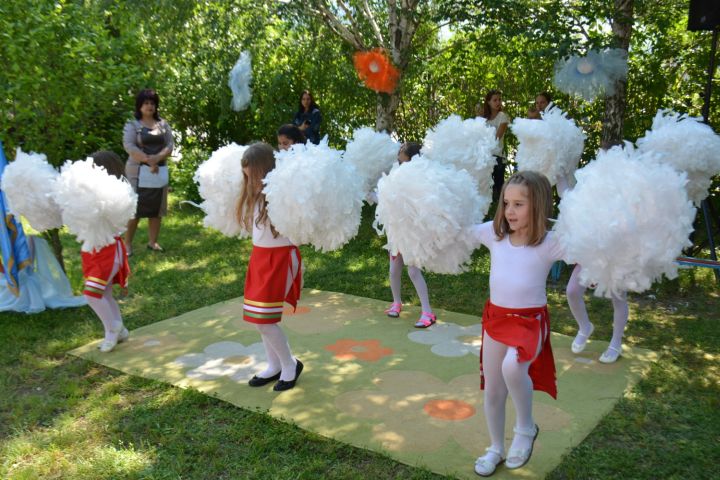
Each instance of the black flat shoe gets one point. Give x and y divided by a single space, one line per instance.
256 381
282 385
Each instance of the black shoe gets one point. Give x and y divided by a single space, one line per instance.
282 385
256 381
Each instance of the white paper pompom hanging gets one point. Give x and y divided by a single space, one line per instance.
220 180
552 146
688 145
464 144
591 75
239 82
95 206
314 197
28 184
426 209
625 222
372 154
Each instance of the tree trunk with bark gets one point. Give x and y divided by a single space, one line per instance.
613 121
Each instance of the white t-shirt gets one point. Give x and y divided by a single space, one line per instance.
499 119
262 235
518 275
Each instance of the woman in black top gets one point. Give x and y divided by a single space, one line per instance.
308 117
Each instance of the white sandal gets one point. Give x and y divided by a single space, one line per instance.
610 355
486 465
578 345
123 335
518 457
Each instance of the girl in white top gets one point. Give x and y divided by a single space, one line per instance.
274 274
493 113
516 357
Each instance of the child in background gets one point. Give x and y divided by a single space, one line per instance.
105 267
274 272
427 318
516 357
288 135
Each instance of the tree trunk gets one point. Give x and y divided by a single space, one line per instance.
53 236
387 105
612 131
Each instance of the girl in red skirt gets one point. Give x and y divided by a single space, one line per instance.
516 357
274 274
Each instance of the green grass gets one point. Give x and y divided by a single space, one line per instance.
63 417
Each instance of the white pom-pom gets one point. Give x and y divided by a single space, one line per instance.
425 209
593 74
314 197
688 145
220 180
239 82
95 206
552 146
625 222
372 154
466 145
28 184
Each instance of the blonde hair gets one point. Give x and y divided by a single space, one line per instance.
259 159
540 202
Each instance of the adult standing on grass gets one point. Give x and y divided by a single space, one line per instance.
492 111
308 117
149 142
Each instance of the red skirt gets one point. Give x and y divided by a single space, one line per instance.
266 283
98 265
520 328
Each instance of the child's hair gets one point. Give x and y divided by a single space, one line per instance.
539 200
486 110
410 149
147 94
259 159
292 132
111 161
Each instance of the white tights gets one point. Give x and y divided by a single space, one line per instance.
416 276
106 308
504 374
575 293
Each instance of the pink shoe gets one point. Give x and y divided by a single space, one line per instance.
426 319
394 310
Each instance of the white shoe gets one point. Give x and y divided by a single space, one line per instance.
578 345
486 465
123 335
610 355
518 457
107 346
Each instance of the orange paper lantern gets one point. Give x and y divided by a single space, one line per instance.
376 71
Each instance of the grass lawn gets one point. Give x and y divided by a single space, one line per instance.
62 417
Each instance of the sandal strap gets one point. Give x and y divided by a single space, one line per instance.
528 432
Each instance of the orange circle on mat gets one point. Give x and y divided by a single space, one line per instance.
449 409
298 311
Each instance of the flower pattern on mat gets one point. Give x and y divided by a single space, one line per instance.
225 359
415 411
450 339
151 343
368 350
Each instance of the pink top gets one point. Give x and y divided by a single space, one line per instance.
518 275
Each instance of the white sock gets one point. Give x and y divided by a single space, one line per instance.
396 269
273 361
278 343
575 293
106 307
621 311
420 287
496 391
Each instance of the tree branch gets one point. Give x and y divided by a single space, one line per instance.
373 23
320 8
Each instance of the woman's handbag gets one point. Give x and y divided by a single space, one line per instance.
147 179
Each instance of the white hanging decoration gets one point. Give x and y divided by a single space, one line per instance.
552 146
426 209
372 154
314 197
625 222
466 145
28 184
688 145
95 205
239 82
593 74
220 181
